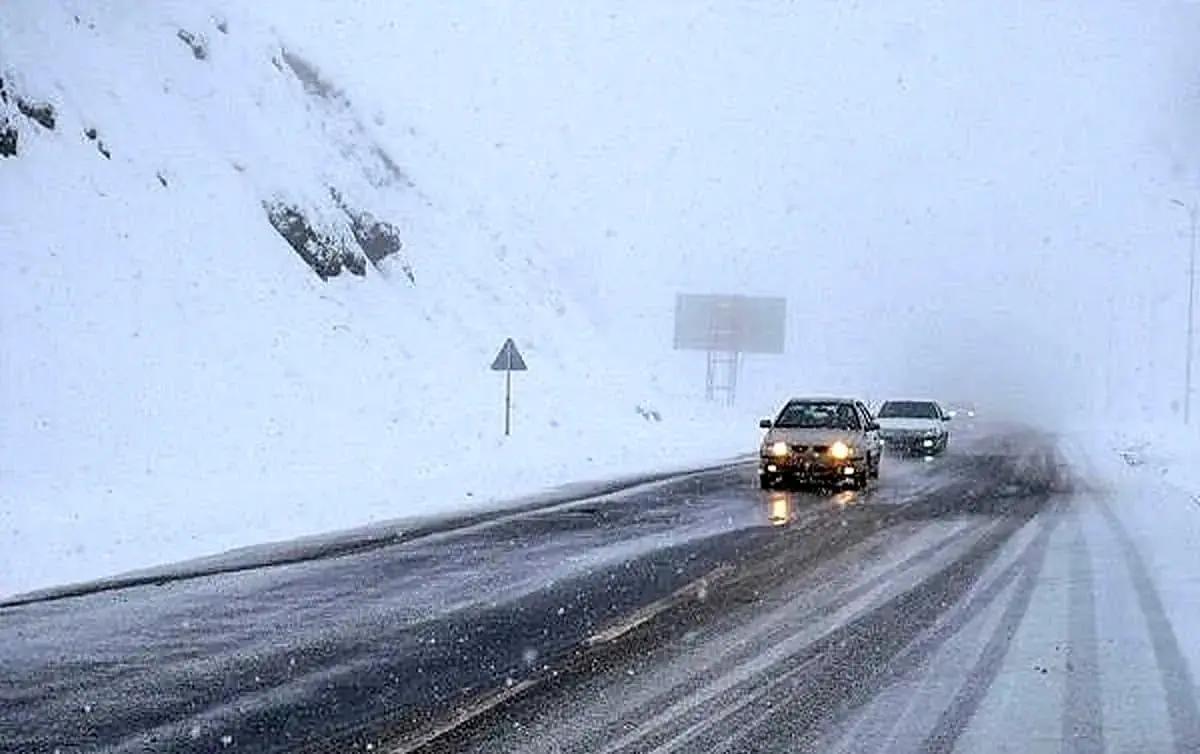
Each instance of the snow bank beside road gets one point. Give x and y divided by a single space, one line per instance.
83 532
1170 451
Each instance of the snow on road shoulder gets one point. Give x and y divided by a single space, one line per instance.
83 533
1148 477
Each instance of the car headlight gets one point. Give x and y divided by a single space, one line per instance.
840 450
778 449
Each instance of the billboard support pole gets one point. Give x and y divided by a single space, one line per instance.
721 375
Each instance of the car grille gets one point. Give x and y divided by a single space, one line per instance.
814 449
907 437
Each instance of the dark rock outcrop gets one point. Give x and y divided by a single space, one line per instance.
196 42
41 112
378 239
325 254
310 78
8 139
649 414
93 135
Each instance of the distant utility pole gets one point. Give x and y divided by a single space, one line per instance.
1194 213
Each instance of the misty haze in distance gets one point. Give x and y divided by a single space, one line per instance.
955 197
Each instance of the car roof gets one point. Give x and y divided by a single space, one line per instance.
822 399
911 400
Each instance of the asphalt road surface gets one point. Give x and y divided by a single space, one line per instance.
961 604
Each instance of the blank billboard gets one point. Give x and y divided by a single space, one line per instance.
714 322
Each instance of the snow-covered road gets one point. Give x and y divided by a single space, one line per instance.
1028 618
1019 594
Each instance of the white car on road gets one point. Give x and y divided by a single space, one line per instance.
913 427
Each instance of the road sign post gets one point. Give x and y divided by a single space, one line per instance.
509 360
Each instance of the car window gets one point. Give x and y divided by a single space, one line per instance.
818 415
910 410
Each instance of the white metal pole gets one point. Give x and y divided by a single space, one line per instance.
508 399
1194 212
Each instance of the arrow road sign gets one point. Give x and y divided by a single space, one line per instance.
508 361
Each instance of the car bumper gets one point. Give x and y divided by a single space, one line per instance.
809 469
913 444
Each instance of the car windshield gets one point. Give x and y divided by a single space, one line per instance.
909 410
817 415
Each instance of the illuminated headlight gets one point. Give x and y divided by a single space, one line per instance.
840 450
778 449
928 443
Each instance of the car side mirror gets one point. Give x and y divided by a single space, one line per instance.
765 424
873 427
947 418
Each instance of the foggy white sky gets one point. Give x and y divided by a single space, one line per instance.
949 193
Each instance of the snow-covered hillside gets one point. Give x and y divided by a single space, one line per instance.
229 313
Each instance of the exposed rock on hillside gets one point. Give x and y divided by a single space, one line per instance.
325 253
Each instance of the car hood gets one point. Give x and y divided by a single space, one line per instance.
811 436
910 425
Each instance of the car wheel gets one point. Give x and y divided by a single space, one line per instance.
874 468
765 482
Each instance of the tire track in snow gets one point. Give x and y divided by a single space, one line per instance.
1083 708
958 715
1173 669
847 667
697 710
